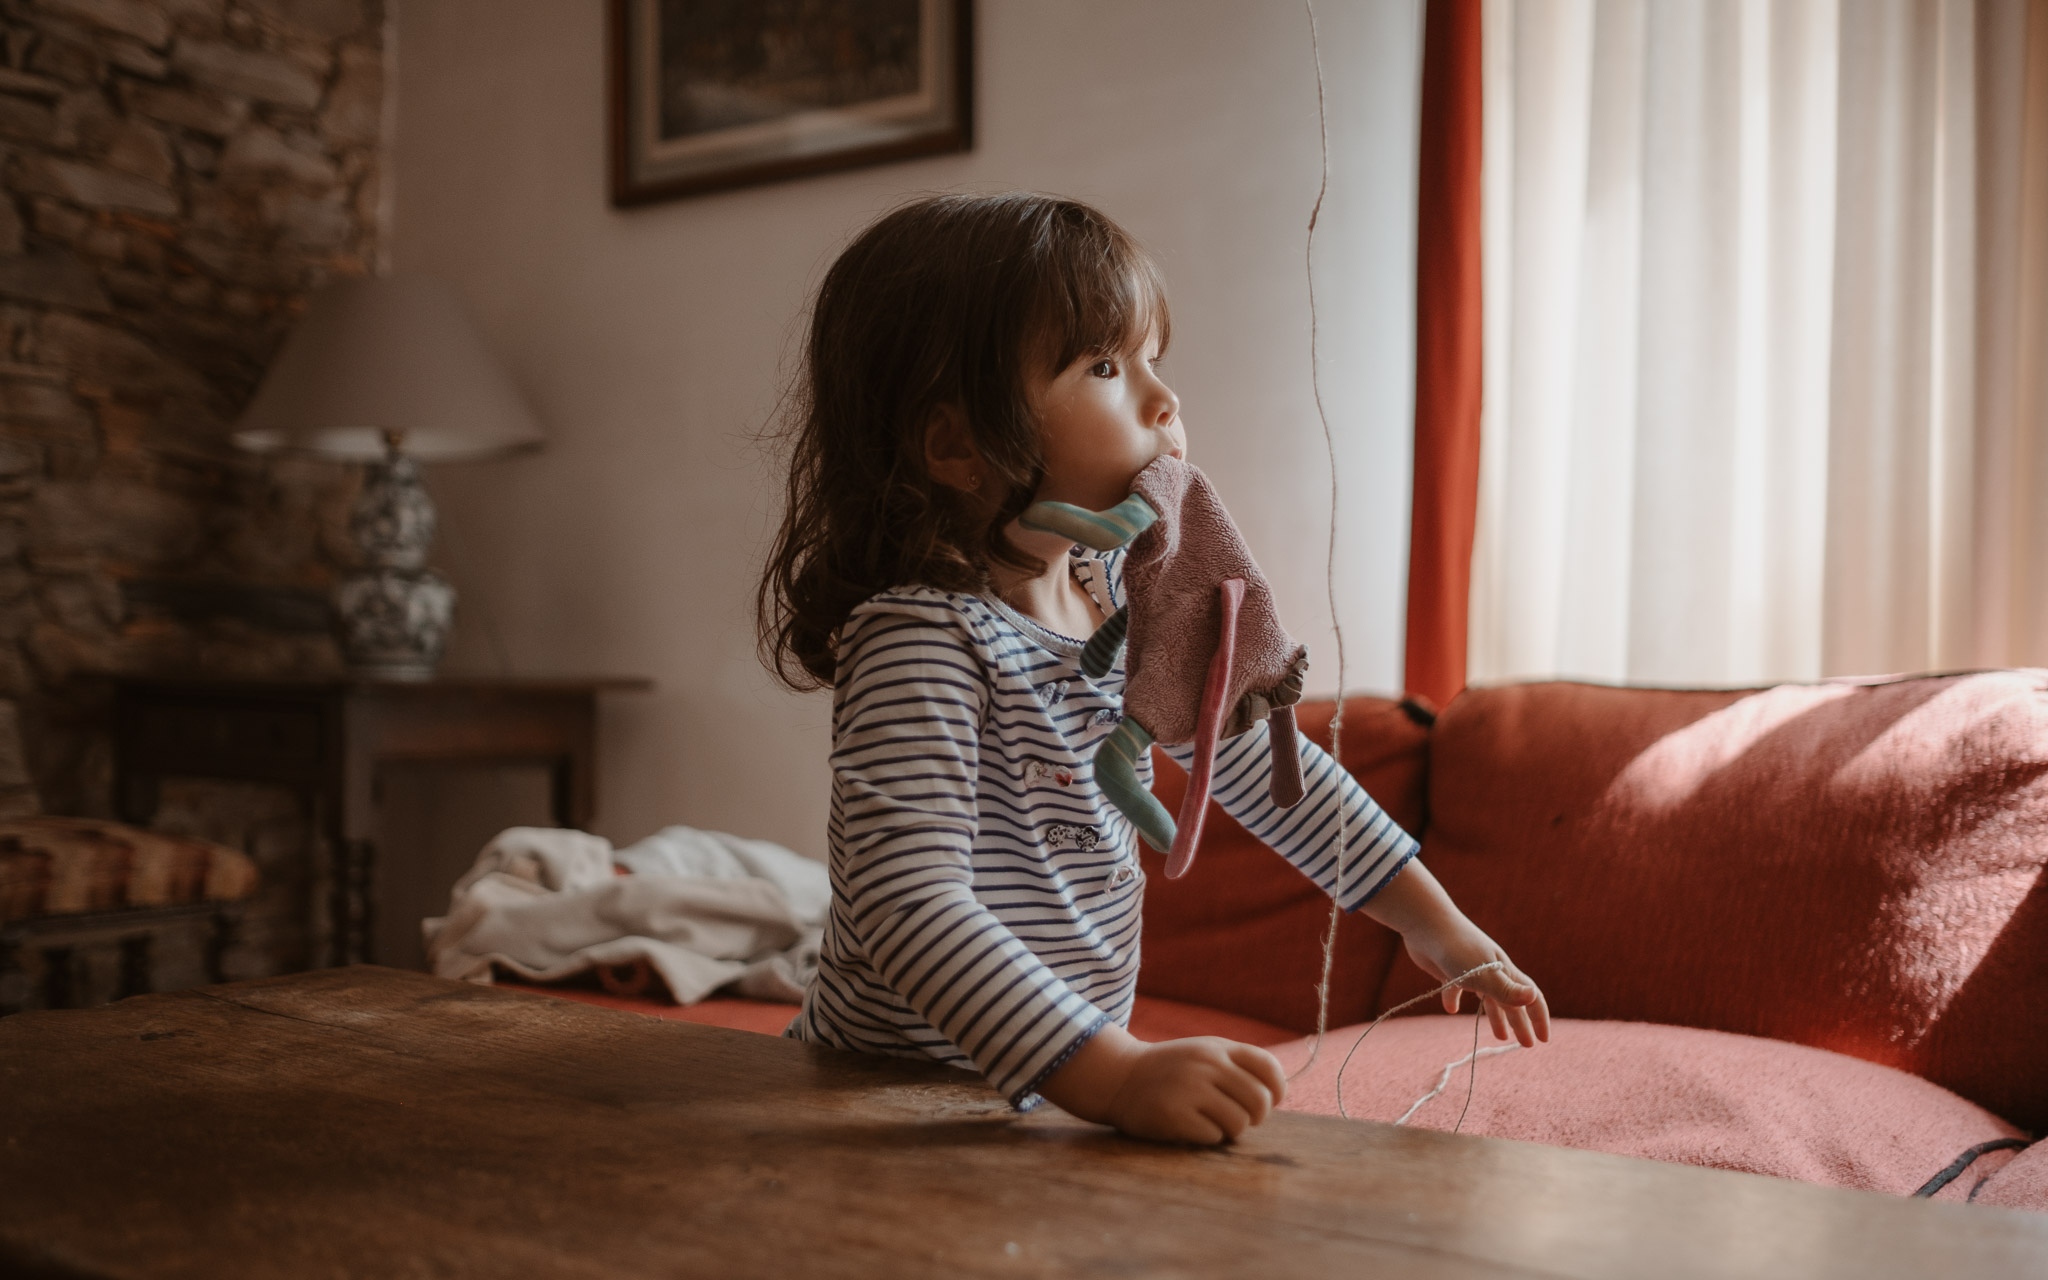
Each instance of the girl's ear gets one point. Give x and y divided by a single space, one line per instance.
949 453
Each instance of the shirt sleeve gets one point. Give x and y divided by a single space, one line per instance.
1375 847
906 761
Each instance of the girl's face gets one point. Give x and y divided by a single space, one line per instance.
1103 419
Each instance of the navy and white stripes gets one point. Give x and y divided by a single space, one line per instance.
986 897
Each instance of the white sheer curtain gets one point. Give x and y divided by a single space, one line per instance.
1767 324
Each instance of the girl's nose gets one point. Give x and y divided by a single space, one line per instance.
1168 407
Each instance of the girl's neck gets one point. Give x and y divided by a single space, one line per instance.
1050 597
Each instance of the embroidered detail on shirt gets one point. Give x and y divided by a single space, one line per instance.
1051 693
1123 875
1109 716
1071 835
1038 771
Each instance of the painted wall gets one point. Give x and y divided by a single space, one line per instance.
654 341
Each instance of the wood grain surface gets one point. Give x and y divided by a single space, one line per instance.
369 1122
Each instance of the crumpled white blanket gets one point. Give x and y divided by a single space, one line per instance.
706 910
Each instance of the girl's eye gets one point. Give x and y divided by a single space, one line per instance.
1102 369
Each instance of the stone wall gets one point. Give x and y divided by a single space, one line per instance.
178 175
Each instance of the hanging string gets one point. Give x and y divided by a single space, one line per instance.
1337 718
1330 559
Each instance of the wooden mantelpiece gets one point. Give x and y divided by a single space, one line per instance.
365 1121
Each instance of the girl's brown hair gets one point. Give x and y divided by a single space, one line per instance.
951 300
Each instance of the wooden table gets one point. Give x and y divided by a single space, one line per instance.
368 1122
330 740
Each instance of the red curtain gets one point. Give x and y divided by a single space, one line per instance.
1448 305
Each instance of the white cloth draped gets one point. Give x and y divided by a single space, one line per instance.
708 911
1767 315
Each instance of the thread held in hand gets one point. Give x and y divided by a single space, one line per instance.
1459 981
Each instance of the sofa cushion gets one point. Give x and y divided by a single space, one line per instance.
1676 1094
1243 931
1154 1020
2021 1184
1853 865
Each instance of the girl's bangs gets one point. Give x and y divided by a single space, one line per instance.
1105 301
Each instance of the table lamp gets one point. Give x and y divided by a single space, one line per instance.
389 371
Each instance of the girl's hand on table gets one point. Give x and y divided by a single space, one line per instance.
1204 1089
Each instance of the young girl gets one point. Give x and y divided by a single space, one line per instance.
967 356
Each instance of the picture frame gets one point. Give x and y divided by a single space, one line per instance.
708 95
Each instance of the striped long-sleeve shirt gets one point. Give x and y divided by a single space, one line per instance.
985 896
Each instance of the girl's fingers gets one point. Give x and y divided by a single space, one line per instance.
1265 1067
1221 1110
1496 1018
1531 1006
1247 1092
1509 986
1518 1025
1199 1129
1526 991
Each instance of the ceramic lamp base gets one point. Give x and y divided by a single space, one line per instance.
394 624
395 614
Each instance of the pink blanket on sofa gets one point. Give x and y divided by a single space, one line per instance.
1664 1093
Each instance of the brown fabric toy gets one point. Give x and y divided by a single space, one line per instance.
1208 657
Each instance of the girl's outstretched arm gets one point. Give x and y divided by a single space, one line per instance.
1378 873
1444 944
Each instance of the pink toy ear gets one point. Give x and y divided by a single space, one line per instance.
1286 787
1195 805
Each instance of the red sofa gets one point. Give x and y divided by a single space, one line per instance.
1799 931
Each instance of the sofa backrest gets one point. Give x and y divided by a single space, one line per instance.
1243 930
1854 865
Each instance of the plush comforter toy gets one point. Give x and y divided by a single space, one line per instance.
1208 658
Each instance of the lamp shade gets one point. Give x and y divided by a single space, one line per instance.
388 354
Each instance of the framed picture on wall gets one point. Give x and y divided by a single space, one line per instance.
712 94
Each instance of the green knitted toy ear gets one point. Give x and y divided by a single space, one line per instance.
1100 530
1116 772
1099 654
